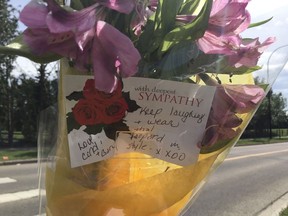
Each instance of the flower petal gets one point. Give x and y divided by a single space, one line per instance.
245 97
83 38
37 40
122 6
60 20
120 47
212 44
103 67
34 14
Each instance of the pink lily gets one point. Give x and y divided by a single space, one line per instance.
80 36
228 18
112 49
143 9
122 6
223 44
229 100
248 53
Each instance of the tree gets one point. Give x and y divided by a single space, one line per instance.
33 95
271 114
8 30
21 98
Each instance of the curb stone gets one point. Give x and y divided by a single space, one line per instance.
276 206
13 162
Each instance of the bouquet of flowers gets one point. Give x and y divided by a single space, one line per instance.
140 79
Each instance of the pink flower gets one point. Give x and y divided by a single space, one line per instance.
122 6
223 44
248 53
228 18
112 51
228 101
83 38
143 9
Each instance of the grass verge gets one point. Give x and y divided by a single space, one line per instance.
284 212
17 154
20 153
260 141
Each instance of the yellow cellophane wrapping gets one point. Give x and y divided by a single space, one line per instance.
131 184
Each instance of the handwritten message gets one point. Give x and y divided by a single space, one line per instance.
168 123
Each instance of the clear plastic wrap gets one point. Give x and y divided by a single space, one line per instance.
130 183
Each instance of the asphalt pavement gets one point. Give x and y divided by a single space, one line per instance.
271 209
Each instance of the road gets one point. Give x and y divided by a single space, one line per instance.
19 194
247 182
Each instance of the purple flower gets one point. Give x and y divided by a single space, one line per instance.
112 50
248 52
223 44
122 6
143 9
83 38
228 18
228 101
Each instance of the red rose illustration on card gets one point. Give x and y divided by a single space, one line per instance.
100 111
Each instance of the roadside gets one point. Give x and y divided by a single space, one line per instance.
278 207
261 141
10 156
27 155
284 212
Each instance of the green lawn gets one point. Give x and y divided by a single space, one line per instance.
17 154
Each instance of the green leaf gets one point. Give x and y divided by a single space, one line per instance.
240 70
60 2
176 62
87 3
146 39
18 47
260 23
158 26
190 31
189 6
168 14
77 4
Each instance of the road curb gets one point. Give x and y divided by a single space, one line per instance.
275 207
13 162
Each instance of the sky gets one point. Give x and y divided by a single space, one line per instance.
277 27
260 10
